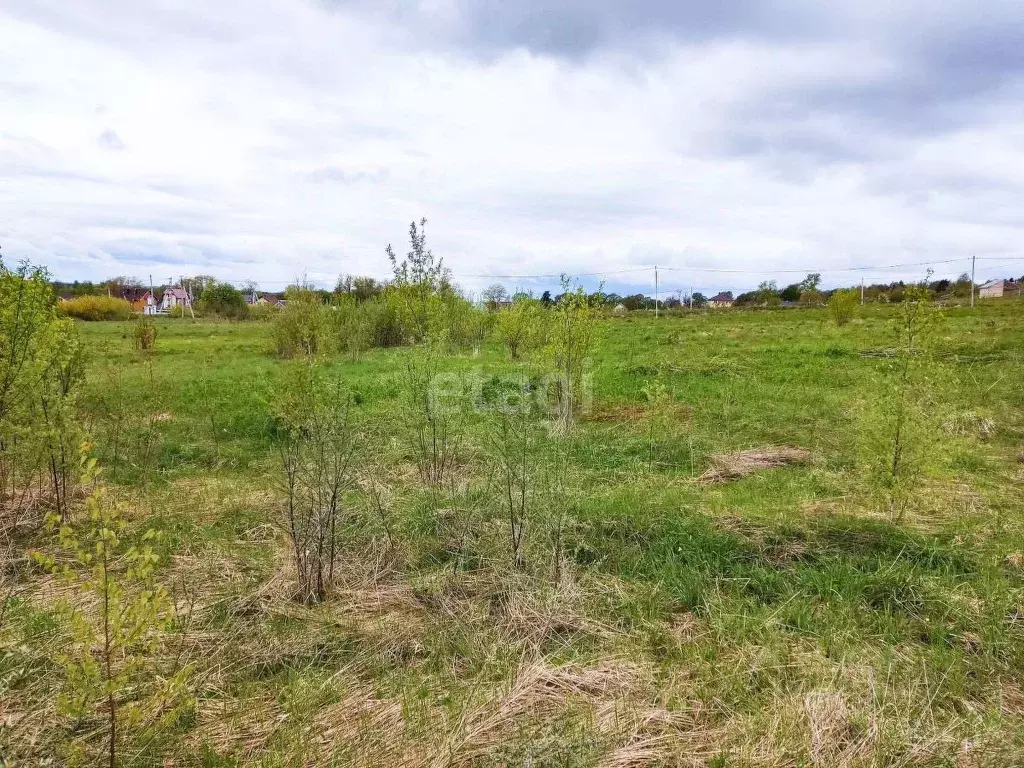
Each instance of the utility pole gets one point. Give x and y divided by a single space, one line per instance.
188 299
973 260
655 291
691 297
152 296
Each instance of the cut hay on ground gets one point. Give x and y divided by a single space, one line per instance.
732 466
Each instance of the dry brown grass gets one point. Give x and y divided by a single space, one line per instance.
236 726
612 693
836 714
612 702
535 614
732 466
368 728
614 698
1012 700
832 739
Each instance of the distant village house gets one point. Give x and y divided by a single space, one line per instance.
266 299
722 300
141 299
146 304
174 297
996 289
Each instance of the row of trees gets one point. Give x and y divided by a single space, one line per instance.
496 296
224 299
807 292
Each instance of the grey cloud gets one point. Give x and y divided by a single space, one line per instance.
792 146
110 140
946 62
576 28
983 35
916 184
871 123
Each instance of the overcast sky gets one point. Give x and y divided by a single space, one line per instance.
265 139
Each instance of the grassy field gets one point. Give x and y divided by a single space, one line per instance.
783 618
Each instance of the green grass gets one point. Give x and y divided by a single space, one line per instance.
778 619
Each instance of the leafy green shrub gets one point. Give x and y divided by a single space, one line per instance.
144 333
305 326
419 281
481 325
383 318
812 297
841 306
96 308
522 326
223 299
41 365
355 332
433 420
458 321
901 437
317 447
767 294
570 341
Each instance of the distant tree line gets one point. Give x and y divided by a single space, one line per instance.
808 292
212 296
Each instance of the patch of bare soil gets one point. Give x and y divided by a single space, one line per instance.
732 466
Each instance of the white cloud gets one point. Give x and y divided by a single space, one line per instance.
270 139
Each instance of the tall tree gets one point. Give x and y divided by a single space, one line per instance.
419 267
811 282
495 296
